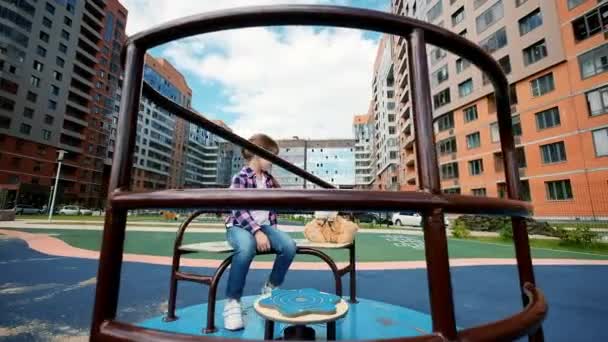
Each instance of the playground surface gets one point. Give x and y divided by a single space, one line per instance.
47 280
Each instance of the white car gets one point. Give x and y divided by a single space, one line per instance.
84 211
69 210
411 219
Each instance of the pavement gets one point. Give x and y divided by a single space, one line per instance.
49 298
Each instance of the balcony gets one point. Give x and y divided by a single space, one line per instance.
96 8
81 79
410 160
76 90
87 49
72 134
70 148
90 30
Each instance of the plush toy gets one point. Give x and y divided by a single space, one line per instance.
328 226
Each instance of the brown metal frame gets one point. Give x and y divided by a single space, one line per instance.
429 200
213 280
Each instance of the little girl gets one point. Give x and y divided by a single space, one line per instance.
254 230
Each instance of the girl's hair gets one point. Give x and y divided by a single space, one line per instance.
264 142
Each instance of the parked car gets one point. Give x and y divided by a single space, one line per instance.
368 217
85 211
26 209
411 219
69 210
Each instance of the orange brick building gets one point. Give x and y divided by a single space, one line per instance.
555 55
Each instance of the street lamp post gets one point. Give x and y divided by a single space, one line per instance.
59 160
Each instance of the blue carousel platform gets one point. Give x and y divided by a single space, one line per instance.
368 319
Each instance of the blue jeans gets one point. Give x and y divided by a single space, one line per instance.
245 248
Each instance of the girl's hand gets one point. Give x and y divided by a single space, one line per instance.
263 244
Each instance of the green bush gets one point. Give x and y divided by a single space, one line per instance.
460 230
487 223
506 231
579 236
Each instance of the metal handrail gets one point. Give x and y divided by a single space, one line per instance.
417 34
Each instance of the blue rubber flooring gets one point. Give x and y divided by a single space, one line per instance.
43 296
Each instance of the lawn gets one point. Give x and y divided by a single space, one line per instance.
370 246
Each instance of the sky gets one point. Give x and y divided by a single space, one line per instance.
289 81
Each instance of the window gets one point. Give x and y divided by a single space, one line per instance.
458 16
439 76
65 35
481 192
449 171
479 3
52 105
461 65
447 146
547 118
476 167
520 2
465 88
505 64
600 141
41 51
391 130
47 22
57 75
38 66
445 122
35 81
44 36
60 62
5 122
553 153
516 125
437 54
495 41
535 52
67 21
470 113
63 48
48 119
473 140
530 22
46 134
559 190
434 12
542 85
590 23
442 98
32 97
463 33
489 16
54 90
28 112
25 129
597 101
50 8
594 62
453 191
574 3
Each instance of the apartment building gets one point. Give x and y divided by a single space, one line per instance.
363 127
386 148
51 77
554 54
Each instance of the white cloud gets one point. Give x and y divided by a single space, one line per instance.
299 81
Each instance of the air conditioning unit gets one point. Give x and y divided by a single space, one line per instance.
451 132
456 182
513 109
517 140
522 172
453 156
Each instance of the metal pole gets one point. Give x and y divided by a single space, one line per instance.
435 240
59 159
305 159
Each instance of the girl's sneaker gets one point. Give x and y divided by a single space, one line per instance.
267 289
233 315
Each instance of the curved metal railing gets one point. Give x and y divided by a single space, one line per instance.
429 201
